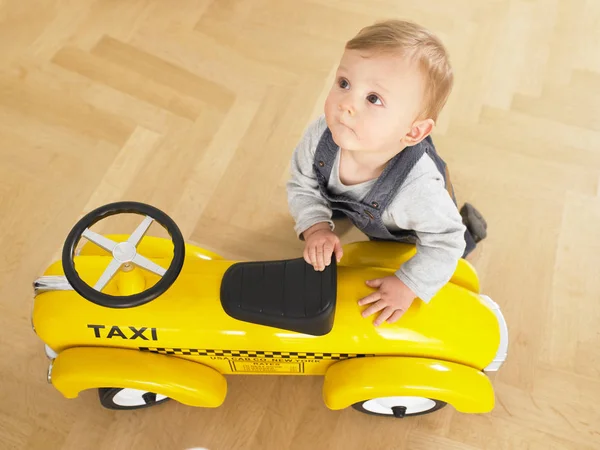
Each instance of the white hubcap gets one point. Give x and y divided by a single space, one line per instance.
133 397
384 405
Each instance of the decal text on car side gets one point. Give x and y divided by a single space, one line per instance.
115 331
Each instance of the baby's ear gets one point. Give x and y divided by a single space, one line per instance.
419 131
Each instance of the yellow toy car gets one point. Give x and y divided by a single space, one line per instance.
146 319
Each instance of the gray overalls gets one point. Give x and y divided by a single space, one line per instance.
366 214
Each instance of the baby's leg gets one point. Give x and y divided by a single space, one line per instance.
471 244
476 227
474 222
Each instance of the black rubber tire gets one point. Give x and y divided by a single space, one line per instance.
438 405
111 301
107 395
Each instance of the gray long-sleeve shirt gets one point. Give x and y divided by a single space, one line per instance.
422 204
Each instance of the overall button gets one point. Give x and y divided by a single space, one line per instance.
321 164
375 205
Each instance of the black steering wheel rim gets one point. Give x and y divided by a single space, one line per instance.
128 301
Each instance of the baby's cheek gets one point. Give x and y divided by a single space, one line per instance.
329 105
381 135
366 136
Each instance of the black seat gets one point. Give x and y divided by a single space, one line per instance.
289 295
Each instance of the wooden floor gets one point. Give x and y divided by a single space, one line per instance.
195 107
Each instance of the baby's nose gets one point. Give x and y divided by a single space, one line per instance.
347 108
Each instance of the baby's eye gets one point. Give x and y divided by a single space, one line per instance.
374 99
343 83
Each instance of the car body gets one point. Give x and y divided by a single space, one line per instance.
182 343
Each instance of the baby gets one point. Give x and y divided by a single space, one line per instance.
371 158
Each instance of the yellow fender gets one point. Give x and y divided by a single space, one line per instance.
391 255
355 380
187 382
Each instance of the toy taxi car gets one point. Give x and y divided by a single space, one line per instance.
146 319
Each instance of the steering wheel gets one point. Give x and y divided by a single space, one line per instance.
123 253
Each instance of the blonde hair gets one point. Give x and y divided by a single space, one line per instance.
417 43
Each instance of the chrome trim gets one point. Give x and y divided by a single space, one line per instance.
51 283
502 352
49 374
50 354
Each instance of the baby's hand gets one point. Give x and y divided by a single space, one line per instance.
321 242
393 297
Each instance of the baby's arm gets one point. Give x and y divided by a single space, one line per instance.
424 205
306 204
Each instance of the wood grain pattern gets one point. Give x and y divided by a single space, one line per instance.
195 106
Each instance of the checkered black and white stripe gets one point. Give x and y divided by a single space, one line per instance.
252 353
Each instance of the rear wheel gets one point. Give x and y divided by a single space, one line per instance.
399 407
125 398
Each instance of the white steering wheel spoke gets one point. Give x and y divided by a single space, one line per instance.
108 275
140 231
101 241
151 266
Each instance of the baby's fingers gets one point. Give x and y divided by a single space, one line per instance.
375 307
394 317
371 298
306 256
383 316
320 265
339 252
312 252
328 249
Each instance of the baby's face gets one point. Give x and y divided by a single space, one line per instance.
374 101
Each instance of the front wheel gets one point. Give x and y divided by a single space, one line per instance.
119 398
399 407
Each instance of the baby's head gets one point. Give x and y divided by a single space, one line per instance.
392 82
